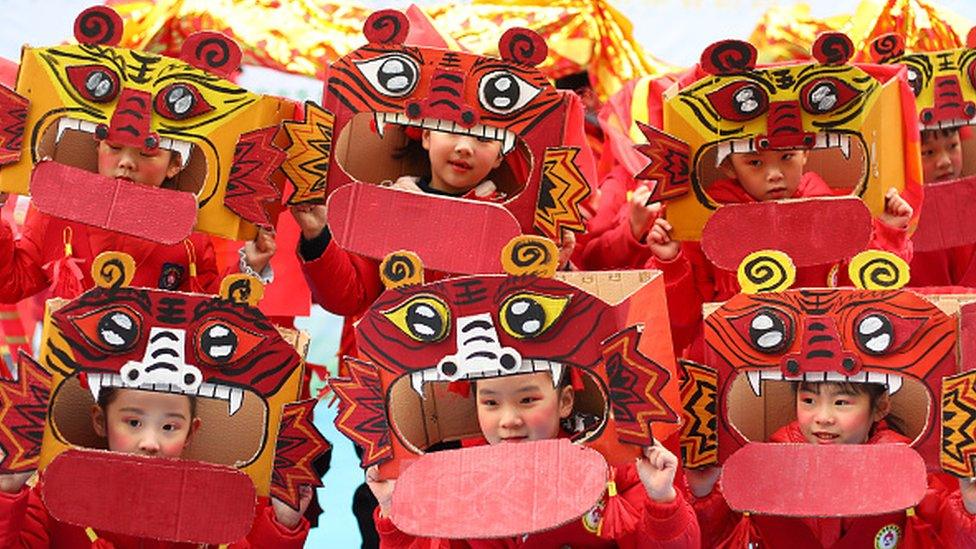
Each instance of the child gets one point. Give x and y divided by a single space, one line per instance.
527 407
691 280
58 253
841 413
942 161
145 423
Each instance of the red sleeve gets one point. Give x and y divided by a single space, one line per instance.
208 276
615 248
715 517
889 239
343 283
689 282
667 525
22 261
268 532
24 521
391 537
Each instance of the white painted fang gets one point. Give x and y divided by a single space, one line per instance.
380 120
95 385
894 383
845 146
755 381
417 382
235 401
509 142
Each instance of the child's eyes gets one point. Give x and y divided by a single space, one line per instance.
529 400
927 152
489 403
170 427
788 156
842 403
133 422
755 163
806 400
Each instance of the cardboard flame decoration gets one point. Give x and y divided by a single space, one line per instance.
418 338
851 117
761 342
377 91
243 371
79 94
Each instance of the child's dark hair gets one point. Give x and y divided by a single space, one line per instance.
874 391
109 394
941 132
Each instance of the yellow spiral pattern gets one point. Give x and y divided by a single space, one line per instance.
766 271
113 270
400 269
877 270
241 288
528 255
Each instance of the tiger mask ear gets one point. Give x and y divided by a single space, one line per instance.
113 270
400 269
528 255
242 289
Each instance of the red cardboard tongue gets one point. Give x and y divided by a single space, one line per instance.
946 220
160 215
498 491
148 497
810 480
451 235
812 231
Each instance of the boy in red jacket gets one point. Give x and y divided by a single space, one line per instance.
841 413
135 422
517 408
692 280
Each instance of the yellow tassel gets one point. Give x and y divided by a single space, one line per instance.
910 511
611 488
92 536
67 241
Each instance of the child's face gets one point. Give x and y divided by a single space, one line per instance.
146 423
458 162
941 156
767 175
830 414
130 163
521 407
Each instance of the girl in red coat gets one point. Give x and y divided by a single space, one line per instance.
145 423
692 280
56 253
841 413
524 407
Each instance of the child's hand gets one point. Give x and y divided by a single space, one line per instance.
407 183
13 482
566 245
897 211
288 517
967 489
641 214
310 219
657 472
659 237
702 481
258 252
382 489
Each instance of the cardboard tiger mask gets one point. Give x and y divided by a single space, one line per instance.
378 92
420 341
851 118
244 373
77 95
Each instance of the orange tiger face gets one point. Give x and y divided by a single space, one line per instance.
858 336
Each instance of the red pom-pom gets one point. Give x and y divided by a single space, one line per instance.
619 515
919 534
66 277
744 535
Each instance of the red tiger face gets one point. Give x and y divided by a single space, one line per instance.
858 336
182 343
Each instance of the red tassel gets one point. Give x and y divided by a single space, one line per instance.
97 542
64 273
191 259
745 535
619 515
918 533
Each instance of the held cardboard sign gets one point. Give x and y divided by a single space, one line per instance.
220 134
426 345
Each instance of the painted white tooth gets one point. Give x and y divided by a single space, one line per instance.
755 381
822 139
222 392
724 148
859 378
556 370
876 377
845 146
236 399
774 375
87 126
894 383
95 385
117 381
161 387
835 377
63 124
380 119
509 142
417 382
184 149
207 390
814 377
